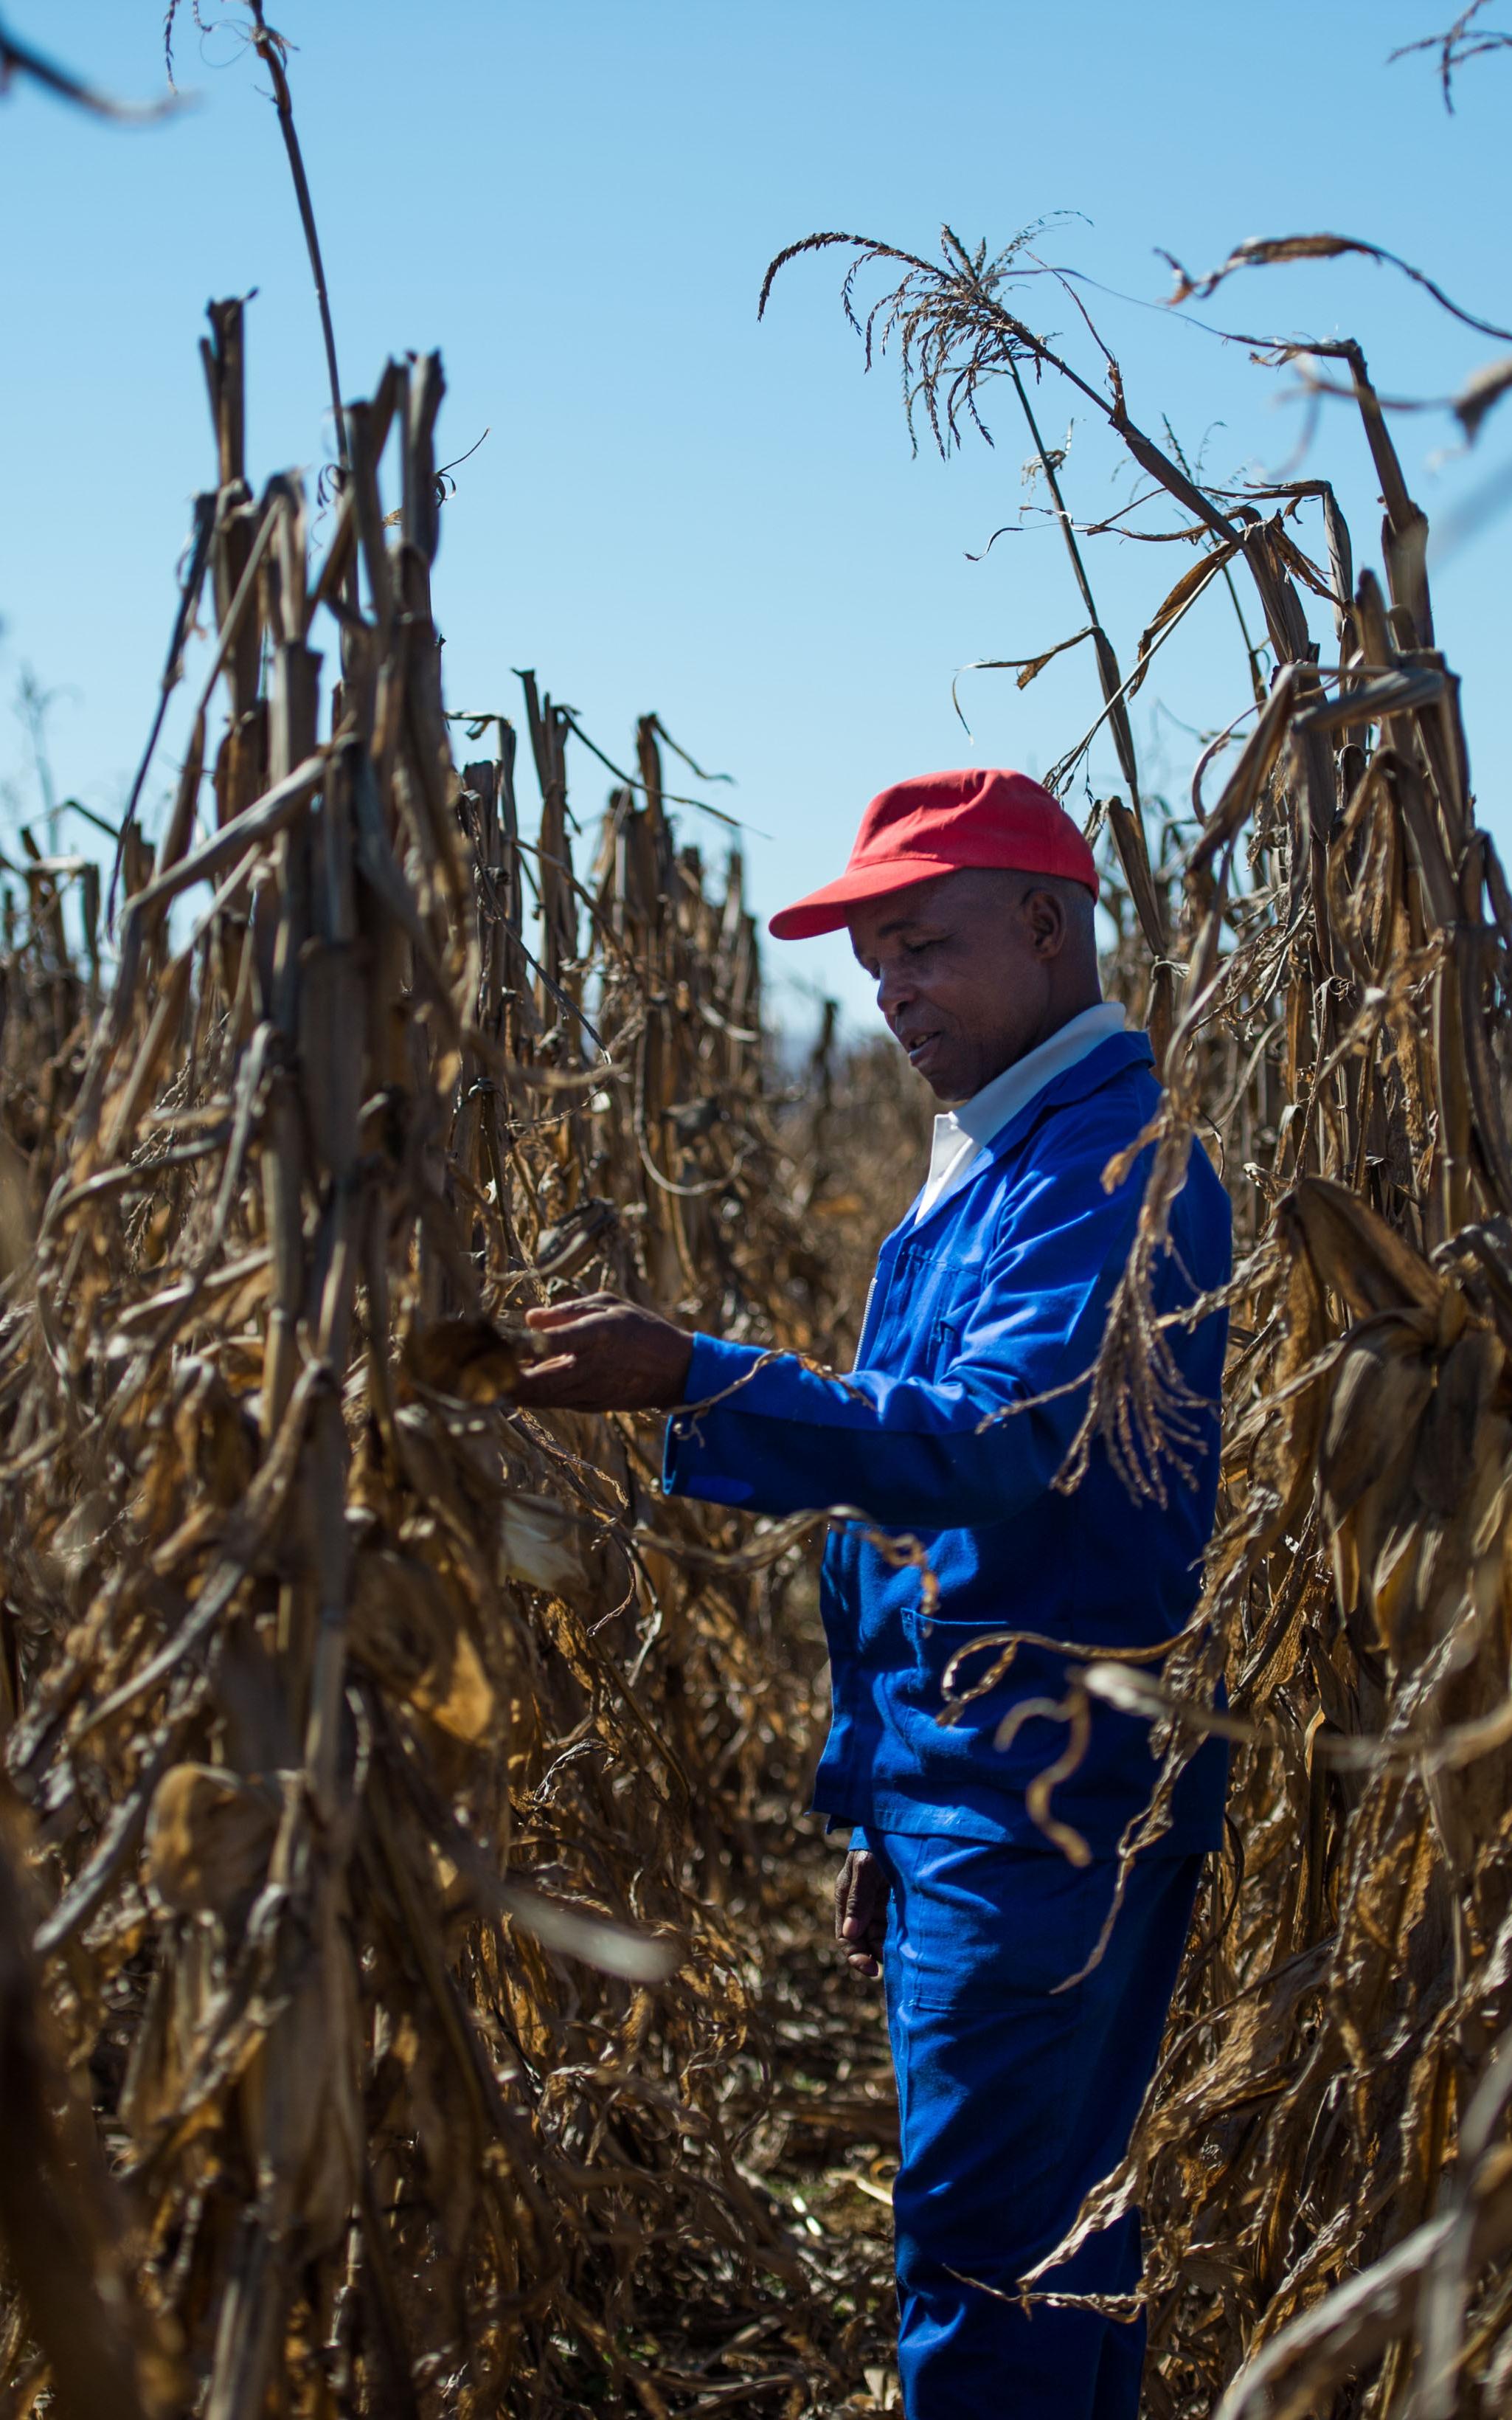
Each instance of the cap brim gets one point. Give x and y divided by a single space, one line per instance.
826 910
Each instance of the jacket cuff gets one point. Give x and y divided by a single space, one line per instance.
688 1466
715 1366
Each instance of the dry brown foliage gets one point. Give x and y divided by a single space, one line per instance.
1321 952
395 1761
398 1783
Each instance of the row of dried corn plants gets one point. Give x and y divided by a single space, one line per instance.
380 1760
1321 946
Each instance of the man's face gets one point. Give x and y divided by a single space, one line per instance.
964 970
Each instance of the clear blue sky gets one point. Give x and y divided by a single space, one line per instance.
677 509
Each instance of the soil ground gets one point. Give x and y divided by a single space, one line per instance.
807 2331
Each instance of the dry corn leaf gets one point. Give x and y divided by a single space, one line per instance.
540 1544
210 1834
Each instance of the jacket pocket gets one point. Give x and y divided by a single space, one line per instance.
944 1337
958 1662
946 1331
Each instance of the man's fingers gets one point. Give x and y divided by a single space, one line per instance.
842 1898
870 1893
535 1370
560 1317
861 1891
869 1886
553 1314
545 1382
562 1314
852 1919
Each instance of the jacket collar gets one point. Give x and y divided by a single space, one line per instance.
1120 1053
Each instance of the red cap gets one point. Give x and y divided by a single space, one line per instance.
936 824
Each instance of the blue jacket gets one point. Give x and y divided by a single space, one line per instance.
1000 1295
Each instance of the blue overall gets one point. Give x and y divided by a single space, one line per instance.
970 1384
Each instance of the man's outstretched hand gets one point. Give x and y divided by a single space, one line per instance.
861 1891
605 1355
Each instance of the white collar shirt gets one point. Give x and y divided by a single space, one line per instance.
962 1134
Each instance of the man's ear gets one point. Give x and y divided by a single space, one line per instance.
1044 913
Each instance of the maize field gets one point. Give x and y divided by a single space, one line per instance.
413 1990
1319 947
386 1767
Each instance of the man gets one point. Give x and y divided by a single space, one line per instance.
970 899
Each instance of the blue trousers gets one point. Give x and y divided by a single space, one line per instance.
1013 2100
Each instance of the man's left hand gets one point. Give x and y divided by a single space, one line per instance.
607 1356
862 1890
